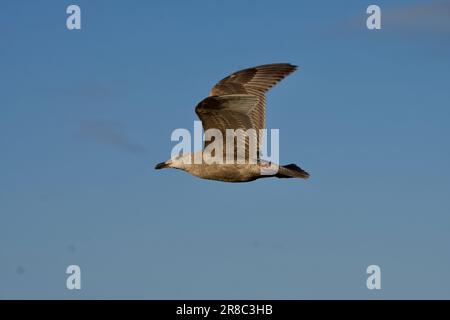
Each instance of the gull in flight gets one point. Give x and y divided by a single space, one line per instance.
238 102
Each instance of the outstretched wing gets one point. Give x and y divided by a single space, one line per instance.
254 81
229 112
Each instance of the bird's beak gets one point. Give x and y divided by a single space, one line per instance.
161 165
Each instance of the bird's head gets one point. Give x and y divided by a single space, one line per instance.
179 161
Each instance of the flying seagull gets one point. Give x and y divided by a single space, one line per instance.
237 102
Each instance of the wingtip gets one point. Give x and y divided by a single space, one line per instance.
294 67
290 67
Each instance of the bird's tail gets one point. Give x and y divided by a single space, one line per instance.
292 171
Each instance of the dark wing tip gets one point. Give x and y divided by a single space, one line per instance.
278 65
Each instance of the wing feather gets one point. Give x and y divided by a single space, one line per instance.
229 112
254 81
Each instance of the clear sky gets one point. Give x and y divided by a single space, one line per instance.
86 114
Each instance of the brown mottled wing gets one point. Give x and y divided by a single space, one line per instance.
228 112
255 81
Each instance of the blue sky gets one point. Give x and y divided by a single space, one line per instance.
85 116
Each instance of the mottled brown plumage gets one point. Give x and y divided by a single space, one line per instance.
238 102
254 81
